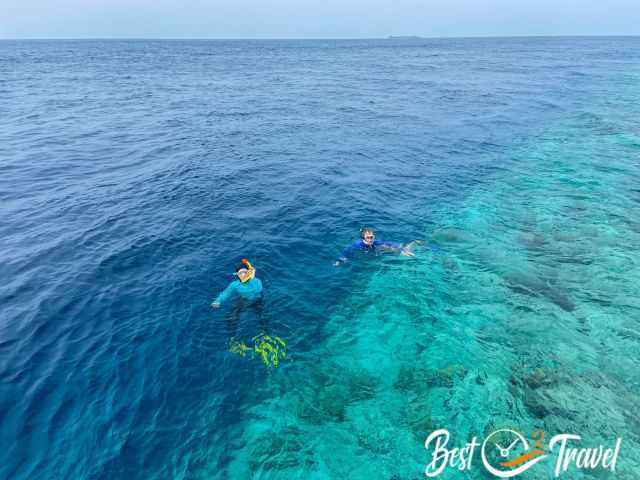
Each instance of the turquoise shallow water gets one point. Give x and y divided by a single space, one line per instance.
526 317
135 174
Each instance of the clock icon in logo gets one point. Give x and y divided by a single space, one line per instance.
506 453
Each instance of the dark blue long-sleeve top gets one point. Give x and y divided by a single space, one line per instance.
361 246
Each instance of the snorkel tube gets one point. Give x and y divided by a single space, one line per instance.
250 273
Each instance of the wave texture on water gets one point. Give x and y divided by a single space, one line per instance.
134 175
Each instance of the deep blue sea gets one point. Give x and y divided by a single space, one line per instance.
135 174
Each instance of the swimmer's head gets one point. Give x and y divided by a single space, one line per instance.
245 271
368 235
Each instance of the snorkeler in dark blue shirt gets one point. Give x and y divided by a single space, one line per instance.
368 243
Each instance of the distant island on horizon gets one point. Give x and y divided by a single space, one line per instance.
404 37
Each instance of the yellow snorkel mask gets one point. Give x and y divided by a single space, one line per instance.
251 271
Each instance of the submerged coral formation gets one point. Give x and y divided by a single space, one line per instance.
534 334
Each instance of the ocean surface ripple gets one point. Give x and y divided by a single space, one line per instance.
135 174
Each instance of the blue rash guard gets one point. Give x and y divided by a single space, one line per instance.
250 290
376 247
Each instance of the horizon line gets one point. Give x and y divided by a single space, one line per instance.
388 37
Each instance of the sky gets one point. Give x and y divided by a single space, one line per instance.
317 19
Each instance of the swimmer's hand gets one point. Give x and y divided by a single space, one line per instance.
339 262
215 305
407 250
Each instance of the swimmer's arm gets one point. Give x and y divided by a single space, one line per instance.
347 253
404 250
388 245
341 259
407 250
225 295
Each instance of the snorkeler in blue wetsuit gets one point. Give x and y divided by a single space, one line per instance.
247 286
369 244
